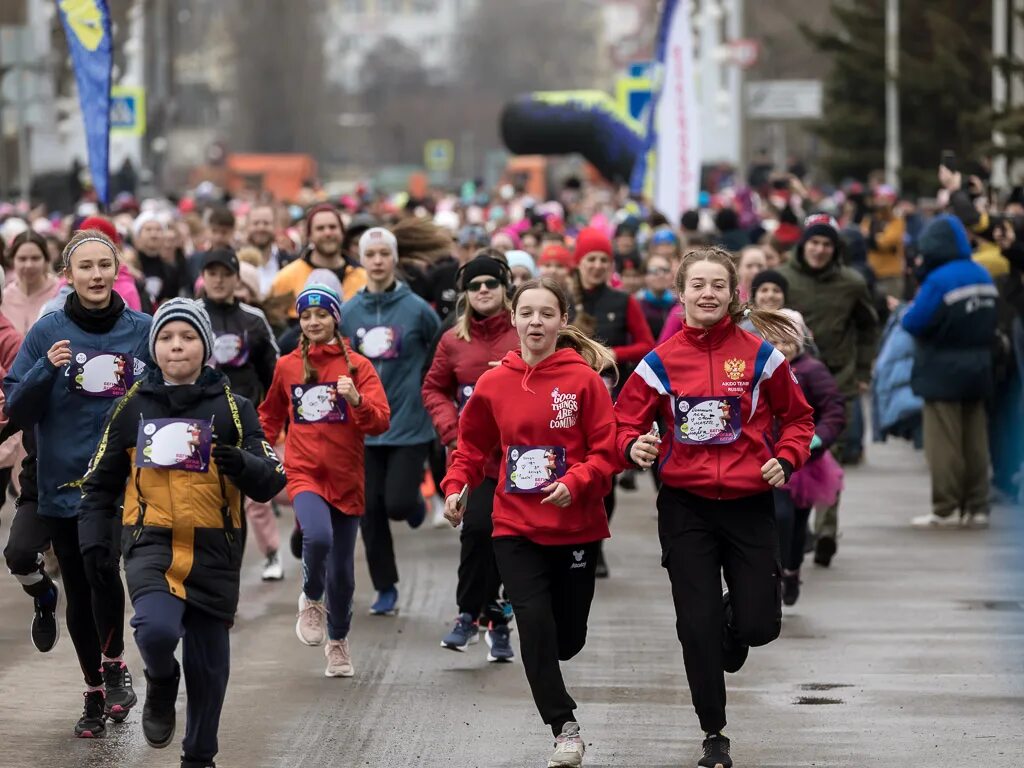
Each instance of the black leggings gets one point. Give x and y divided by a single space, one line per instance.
95 617
479 582
792 524
393 477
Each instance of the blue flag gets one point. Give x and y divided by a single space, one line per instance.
87 27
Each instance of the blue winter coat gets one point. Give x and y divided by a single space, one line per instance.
67 424
895 407
395 329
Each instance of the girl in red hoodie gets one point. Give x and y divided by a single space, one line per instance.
547 410
480 338
331 398
724 391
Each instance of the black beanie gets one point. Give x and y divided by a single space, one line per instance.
482 266
769 276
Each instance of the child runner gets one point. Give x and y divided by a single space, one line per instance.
72 365
182 449
330 397
481 337
545 396
395 329
715 510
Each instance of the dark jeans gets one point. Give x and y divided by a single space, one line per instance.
700 540
393 476
479 582
328 559
551 589
161 621
95 609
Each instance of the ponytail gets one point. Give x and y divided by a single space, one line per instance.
308 371
597 356
770 325
583 320
344 351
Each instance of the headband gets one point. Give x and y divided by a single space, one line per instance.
67 258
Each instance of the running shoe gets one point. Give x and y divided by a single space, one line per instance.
186 763
45 630
463 633
415 520
716 752
734 653
158 717
92 725
627 480
339 659
790 587
437 518
312 618
975 520
386 604
272 568
824 551
120 698
569 748
601 567
931 520
500 644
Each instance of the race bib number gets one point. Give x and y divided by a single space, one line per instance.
101 374
182 444
230 350
318 404
382 342
463 393
532 468
707 420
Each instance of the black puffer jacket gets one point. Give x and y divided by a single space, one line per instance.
245 347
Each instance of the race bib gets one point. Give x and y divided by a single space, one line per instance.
318 404
101 374
382 342
532 468
154 285
707 420
230 350
463 393
182 444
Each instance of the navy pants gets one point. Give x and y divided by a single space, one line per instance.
160 621
328 558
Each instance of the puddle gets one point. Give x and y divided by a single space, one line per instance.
814 700
992 605
824 686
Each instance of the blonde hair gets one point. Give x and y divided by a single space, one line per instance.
597 356
767 322
462 308
250 255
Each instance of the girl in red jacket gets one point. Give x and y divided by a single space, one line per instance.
724 392
547 410
480 338
331 398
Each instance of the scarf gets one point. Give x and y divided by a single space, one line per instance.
97 321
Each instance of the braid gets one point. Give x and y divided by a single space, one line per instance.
344 351
308 370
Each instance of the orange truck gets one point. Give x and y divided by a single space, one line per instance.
282 175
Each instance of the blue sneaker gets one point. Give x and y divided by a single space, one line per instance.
415 520
499 643
463 633
387 603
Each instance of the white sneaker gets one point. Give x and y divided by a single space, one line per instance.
438 520
309 627
568 748
339 659
976 520
272 568
931 520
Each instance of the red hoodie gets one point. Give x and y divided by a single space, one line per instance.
324 455
719 390
561 404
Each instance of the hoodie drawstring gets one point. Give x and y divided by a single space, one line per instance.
526 377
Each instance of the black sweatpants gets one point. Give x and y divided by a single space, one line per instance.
551 588
94 616
479 582
393 477
700 540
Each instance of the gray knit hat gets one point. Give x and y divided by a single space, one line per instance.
188 311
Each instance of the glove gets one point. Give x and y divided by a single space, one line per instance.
229 459
100 570
815 443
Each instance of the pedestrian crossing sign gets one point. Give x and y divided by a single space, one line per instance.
439 155
128 110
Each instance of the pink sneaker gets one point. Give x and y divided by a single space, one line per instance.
309 627
339 659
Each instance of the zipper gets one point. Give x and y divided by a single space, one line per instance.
711 391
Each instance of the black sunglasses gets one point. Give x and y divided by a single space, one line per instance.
491 284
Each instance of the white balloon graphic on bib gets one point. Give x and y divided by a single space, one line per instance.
172 443
316 403
102 372
378 341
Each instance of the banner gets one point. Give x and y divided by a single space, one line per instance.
673 133
90 42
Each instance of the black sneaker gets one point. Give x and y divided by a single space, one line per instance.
734 653
158 717
296 543
186 763
790 587
716 752
120 694
627 480
601 567
824 551
91 725
45 624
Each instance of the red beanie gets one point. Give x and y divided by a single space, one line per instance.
557 253
323 208
590 240
106 226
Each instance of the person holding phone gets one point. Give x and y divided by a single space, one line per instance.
546 534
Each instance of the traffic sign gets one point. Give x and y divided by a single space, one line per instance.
439 155
784 100
128 110
744 53
633 95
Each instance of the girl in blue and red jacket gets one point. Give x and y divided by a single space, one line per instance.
481 337
550 414
724 392
331 398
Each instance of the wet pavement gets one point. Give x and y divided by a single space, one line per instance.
909 650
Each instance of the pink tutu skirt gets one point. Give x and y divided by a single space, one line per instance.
817 482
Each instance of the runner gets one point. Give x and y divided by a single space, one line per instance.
481 337
715 510
330 398
395 328
181 449
32 283
546 556
72 365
